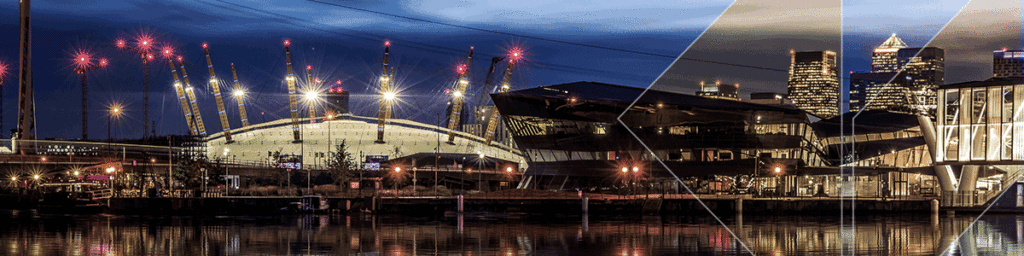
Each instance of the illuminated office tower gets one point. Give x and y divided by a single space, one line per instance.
814 82
883 58
923 72
873 91
1008 63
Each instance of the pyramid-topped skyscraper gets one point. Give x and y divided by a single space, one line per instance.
883 58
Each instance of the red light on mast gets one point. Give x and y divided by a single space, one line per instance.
179 58
168 52
82 59
287 42
447 91
204 45
120 43
387 42
462 68
515 54
144 42
339 82
103 62
316 80
308 67
3 70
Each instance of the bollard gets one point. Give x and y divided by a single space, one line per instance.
461 203
348 205
935 206
586 202
739 206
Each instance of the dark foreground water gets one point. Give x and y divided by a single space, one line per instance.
28 233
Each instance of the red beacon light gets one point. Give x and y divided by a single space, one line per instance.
179 58
204 46
339 82
308 67
103 62
316 80
287 42
387 42
120 43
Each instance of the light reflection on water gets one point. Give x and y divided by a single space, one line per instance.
27 233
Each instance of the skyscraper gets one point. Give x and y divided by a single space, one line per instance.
814 82
901 79
924 70
871 91
1008 63
883 58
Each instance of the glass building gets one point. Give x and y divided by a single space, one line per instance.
883 58
980 130
1008 63
814 83
572 138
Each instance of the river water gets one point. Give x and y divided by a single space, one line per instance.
24 232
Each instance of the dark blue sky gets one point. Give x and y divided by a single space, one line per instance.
346 44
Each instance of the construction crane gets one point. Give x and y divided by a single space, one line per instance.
484 95
387 94
84 64
190 92
514 55
240 98
168 53
290 78
215 85
458 96
311 85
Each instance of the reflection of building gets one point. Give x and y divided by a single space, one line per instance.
719 90
1008 63
981 124
814 82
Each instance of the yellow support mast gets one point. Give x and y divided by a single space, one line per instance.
215 85
240 98
458 97
387 95
492 124
180 90
311 85
190 92
290 78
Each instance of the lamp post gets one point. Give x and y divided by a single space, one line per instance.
227 181
398 173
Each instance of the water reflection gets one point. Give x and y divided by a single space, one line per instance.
27 233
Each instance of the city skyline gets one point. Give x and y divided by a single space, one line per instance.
551 65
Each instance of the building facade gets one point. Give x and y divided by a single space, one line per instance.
572 137
980 130
718 90
883 58
814 82
1008 63
876 91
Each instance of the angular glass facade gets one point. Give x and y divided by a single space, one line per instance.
981 121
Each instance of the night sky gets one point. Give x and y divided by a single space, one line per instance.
620 43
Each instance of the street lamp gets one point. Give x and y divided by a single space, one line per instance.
227 182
